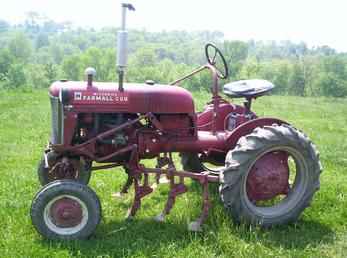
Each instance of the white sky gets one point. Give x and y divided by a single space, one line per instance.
315 22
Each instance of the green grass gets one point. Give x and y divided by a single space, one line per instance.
320 232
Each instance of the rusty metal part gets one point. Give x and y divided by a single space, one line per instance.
175 190
66 213
140 192
268 177
105 167
65 168
206 205
62 148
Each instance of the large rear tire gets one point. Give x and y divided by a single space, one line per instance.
240 164
66 210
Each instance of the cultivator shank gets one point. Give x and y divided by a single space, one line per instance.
138 175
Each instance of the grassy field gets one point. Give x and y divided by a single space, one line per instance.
321 231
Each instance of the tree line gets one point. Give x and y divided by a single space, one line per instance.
39 51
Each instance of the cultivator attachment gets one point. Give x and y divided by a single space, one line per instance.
140 179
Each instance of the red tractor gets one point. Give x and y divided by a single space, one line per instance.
267 170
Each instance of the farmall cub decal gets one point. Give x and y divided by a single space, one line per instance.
81 97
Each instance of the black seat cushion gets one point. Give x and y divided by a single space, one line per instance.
247 88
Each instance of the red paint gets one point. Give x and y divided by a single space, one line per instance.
141 98
66 212
152 121
223 109
248 127
100 98
268 177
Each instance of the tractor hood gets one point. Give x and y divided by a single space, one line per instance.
136 98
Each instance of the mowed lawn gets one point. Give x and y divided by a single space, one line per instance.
320 232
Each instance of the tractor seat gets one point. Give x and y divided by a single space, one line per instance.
247 88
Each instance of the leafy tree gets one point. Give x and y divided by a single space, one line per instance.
72 68
36 76
6 61
249 70
20 47
236 53
64 51
16 76
297 81
50 72
144 56
333 76
41 40
331 85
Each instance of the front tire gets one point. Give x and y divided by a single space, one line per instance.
266 204
66 210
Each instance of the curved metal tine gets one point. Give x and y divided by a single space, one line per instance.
140 192
196 226
125 188
175 190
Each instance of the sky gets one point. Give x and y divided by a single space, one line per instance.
319 22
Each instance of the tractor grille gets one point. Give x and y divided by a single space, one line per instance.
57 121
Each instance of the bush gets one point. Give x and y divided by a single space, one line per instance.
15 77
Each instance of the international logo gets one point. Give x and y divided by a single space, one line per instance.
100 97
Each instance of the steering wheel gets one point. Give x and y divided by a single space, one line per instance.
213 54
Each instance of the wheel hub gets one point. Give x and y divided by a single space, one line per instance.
268 177
66 213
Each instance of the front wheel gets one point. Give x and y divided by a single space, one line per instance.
66 210
270 176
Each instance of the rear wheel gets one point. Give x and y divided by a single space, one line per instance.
270 176
66 210
63 168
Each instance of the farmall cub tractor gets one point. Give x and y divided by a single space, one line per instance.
267 170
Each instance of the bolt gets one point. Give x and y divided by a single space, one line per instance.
147 150
66 214
154 140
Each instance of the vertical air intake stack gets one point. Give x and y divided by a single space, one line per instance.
122 45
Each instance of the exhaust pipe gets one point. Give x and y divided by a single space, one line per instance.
122 46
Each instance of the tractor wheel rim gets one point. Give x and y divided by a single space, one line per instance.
66 215
295 192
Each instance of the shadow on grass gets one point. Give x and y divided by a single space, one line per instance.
127 238
305 233
145 237
300 235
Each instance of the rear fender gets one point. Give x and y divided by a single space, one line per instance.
248 127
